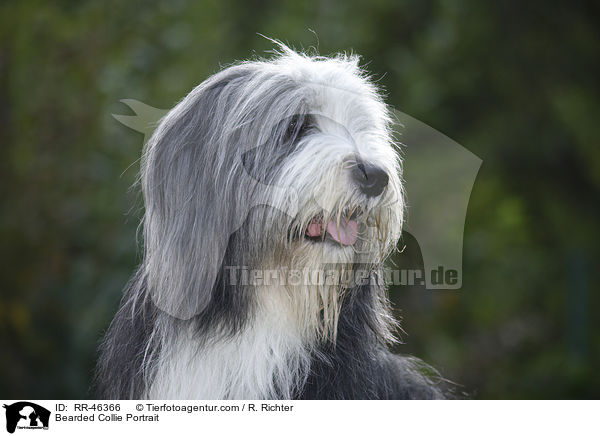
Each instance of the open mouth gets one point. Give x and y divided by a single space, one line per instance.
343 231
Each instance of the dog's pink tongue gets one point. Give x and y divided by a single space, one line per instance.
345 233
315 228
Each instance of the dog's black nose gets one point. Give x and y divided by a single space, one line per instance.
371 179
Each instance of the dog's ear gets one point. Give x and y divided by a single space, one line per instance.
191 198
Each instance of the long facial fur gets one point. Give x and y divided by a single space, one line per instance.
217 177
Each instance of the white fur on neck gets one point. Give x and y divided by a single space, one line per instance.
270 357
267 360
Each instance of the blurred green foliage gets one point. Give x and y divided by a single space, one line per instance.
514 82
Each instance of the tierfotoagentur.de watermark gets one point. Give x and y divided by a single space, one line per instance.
333 275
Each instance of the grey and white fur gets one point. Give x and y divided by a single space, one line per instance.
286 164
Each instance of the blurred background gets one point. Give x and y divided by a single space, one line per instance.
514 82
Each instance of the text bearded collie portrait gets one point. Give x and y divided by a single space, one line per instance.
268 169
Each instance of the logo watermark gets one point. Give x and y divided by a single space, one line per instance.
25 415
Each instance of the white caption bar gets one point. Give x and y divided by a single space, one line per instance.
23 417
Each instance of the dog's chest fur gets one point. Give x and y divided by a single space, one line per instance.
269 359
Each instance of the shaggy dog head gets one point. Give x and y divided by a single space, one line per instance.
285 164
